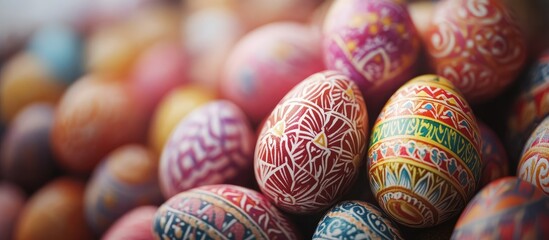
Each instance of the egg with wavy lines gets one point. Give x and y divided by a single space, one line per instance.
221 212
495 163
508 208
477 45
212 145
424 159
374 42
533 166
311 146
356 220
530 107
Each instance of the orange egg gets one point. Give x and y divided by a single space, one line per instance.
94 117
55 212
176 105
25 80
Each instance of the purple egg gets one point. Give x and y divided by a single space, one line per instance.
211 145
375 43
27 157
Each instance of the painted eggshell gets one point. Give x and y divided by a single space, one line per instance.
476 45
211 145
12 202
25 80
356 220
55 212
424 159
127 178
530 107
495 163
508 208
61 49
311 146
94 117
533 166
134 225
373 42
221 211
269 62
174 107
27 157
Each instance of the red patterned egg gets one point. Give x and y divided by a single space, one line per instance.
211 145
134 225
311 146
495 163
267 63
424 160
125 179
477 45
508 208
221 212
534 164
374 42
530 107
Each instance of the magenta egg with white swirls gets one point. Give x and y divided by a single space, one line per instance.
374 42
211 145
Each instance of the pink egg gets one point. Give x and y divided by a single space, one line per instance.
211 145
375 43
12 201
477 45
267 63
134 225
495 163
159 69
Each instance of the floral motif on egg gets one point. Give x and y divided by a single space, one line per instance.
212 145
311 146
221 212
355 220
505 208
374 42
534 164
477 45
424 156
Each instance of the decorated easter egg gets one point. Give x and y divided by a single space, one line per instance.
221 211
12 202
60 47
134 225
375 43
267 63
125 179
530 107
507 208
355 220
424 159
533 166
477 45
55 212
27 157
24 80
495 163
174 106
94 117
311 146
211 145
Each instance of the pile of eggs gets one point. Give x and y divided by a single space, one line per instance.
261 119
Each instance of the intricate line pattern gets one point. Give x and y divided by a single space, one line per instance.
312 144
212 145
424 156
477 45
373 42
221 212
506 208
355 220
534 164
